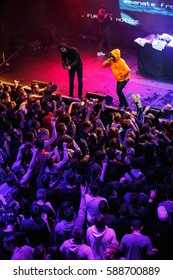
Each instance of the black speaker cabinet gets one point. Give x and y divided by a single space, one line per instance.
40 83
90 95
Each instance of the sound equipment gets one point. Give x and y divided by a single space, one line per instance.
35 45
40 83
154 111
90 95
68 99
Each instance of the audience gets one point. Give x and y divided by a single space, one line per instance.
75 178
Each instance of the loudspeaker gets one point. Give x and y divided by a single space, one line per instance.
68 99
34 46
40 83
154 111
90 95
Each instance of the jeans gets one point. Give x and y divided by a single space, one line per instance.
121 96
79 72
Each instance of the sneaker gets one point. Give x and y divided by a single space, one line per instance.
134 98
100 54
139 100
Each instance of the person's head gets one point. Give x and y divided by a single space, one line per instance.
78 235
66 118
61 128
51 87
117 117
9 243
130 143
99 222
66 211
93 189
39 144
29 136
87 126
11 220
123 211
41 194
71 177
36 212
130 152
136 225
39 252
6 97
146 128
99 156
113 143
93 138
63 48
23 96
54 252
103 207
103 7
35 87
110 152
50 161
44 133
136 185
95 172
112 252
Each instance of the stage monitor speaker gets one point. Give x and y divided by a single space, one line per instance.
40 83
90 95
154 111
35 45
68 100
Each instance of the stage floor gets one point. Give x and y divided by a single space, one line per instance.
45 65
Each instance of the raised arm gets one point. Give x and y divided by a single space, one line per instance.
27 175
82 210
19 156
54 134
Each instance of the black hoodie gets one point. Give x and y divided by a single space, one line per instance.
71 57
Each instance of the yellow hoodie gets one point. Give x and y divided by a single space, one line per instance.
119 67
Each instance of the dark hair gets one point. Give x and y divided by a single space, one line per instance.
110 153
93 188
11 220
66 211
78 235
71 177
10 239
39 252
136 224
39 144
61 128
99 221
41 194
103 207
63 45
36 211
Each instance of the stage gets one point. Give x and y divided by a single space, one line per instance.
44 65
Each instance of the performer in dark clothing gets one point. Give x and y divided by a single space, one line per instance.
72 62
104 30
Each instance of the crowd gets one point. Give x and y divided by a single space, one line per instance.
79 181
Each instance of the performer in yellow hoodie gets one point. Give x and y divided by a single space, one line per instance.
121 71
